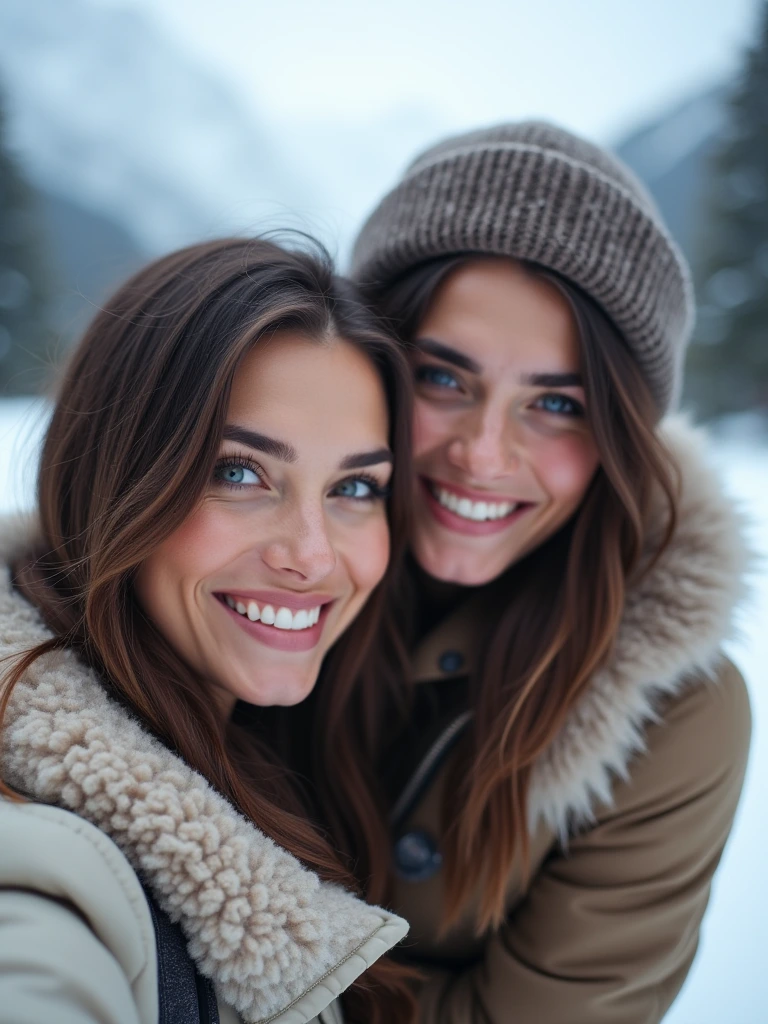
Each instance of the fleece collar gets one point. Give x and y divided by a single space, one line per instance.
260 925
675 621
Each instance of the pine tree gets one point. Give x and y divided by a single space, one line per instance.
728 362
24 333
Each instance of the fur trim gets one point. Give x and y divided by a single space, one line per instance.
674 623
259 924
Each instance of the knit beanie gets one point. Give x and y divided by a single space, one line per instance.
535 192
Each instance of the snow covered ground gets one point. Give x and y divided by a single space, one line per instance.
729 980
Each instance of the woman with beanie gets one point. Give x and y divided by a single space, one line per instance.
212 519
562 754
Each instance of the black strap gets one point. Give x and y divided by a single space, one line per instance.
436 705
184 995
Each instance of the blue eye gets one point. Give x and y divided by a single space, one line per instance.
237 472
560 405
360 488
437 377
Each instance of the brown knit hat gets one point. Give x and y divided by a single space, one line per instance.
535 192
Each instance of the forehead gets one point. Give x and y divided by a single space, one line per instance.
301 388
498 312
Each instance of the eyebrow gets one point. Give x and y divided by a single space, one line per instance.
285 452
362 459
552 380
536 380
261 443
448 354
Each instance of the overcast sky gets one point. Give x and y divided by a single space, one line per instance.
597 66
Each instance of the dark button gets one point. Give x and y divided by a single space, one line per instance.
417 857
450 661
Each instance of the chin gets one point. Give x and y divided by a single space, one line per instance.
462 571
276 690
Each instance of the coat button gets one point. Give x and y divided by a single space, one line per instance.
450 661
417 857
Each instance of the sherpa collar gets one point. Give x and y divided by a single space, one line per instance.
674 623
259 924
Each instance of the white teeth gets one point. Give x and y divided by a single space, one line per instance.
300 620
478 511
283 618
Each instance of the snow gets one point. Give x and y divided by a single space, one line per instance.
729 981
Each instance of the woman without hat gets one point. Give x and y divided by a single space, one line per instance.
212 520
562 754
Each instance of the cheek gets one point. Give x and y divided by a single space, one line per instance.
430 427
204 542
566 467
367 560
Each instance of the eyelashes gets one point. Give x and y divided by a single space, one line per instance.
437 376
237 462
374 490
441 380
560 405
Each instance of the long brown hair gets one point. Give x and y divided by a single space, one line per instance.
129 452
523 691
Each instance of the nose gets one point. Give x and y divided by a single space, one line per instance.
485 446
302 551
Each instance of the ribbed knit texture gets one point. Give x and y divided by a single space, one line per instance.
535 192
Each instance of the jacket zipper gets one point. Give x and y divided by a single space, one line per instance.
426 766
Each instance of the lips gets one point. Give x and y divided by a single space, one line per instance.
281 620
472 513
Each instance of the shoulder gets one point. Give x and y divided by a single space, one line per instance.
695 749
705 727
55 853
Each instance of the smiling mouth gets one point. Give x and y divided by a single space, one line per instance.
280 618
472 511
276 625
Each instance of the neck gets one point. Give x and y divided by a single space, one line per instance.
435 599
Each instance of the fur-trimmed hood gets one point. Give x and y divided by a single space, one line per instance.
675 621
260 925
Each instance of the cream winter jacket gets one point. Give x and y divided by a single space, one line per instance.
76 938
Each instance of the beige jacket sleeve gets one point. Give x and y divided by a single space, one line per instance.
609 928
52 967
76 937
77 943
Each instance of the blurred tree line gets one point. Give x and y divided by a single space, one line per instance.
25 335
727 367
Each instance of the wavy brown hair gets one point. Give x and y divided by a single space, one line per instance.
522 692
128 455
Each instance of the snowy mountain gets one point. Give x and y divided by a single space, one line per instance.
106 112
87 255
671 155
136 148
